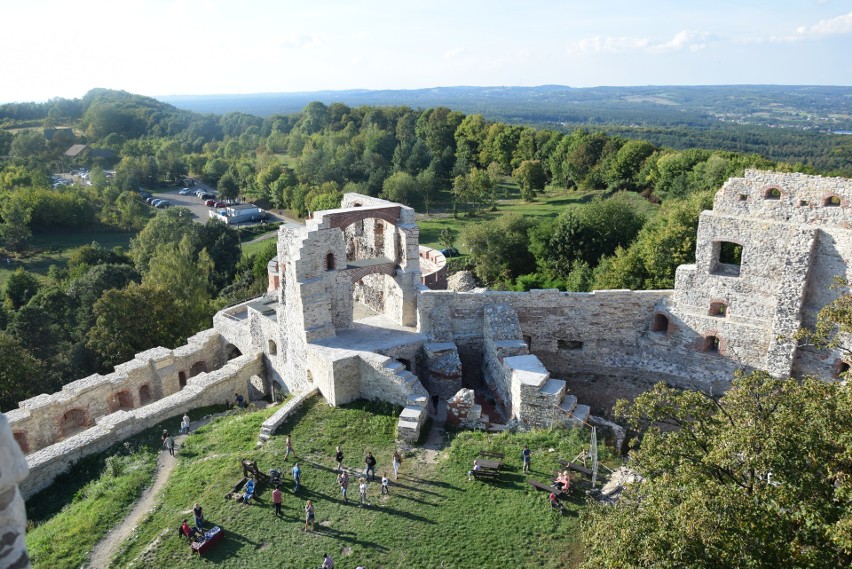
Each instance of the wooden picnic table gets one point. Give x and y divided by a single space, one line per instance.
576 467
489 464
491 454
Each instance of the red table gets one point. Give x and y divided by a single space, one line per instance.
211 538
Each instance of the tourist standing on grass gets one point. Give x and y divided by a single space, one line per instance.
170 444
397 460
289 448
297 477
198 512
239 402
385 483
184 425
327 562
370 461
526 456
309 515
338 456
362 492
276 500
343 480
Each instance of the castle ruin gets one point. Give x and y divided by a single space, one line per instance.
348 315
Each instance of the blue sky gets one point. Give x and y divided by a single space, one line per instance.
53 48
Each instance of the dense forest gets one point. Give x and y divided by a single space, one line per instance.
789 123
99 306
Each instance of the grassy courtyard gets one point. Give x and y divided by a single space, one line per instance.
433 517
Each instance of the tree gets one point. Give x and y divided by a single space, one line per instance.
15 230
21 374
178 268
21 286
530 176
227 187
760 477
499 249
134 319
401 187
168 226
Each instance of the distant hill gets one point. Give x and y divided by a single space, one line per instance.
821 108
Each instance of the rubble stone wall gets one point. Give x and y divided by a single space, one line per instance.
201 391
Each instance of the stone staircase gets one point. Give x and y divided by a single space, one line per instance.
401 387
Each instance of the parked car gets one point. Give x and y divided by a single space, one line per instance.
145 195
220 204
450 252
210 203
154 202
185 192
207 196
162 204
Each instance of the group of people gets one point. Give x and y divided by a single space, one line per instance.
190 532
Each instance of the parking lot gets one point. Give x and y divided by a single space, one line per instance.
197 207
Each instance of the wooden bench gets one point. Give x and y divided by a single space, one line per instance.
489 474
542 486
490 454
576 467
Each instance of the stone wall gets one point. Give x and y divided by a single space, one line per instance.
150 376
202 390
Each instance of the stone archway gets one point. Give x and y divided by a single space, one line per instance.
197 367
145 396
72 422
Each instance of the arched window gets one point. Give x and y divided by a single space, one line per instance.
718 309
73 422
145 394
197 367
831 201
660 323
772 194
182 379
711 343
329 262
124 400
273 348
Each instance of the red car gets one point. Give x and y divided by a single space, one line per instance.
220 204
210 203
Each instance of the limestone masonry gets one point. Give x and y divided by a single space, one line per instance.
349 315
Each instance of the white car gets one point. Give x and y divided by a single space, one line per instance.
185 192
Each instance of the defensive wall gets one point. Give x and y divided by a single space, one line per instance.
766 255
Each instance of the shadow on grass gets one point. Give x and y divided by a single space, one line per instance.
349 537
426 482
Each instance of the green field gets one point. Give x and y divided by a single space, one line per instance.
548 204
52 249
433 517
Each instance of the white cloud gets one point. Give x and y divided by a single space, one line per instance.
838 25
454 53
685 39
300 42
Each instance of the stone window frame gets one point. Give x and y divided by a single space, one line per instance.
773 193
272 347
718 308
711 343
721 268
330 262
660 323
145 399
563 344
742 197
832 200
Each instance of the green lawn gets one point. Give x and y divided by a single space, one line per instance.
52 249
433 517
548 204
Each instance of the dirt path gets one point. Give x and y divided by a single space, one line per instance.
108 546
435 441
